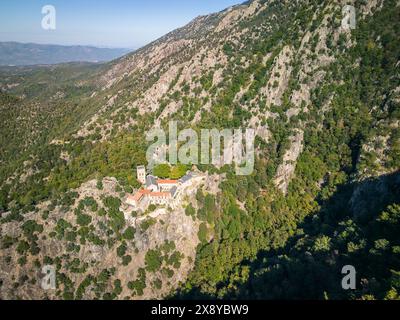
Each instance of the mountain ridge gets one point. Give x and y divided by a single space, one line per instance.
24 54
324 102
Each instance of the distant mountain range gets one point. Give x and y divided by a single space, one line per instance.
318 216
19 54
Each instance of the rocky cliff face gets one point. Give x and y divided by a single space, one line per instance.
91 252
275 66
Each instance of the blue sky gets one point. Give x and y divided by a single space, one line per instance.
115 23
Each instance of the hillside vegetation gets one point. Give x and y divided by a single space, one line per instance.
325 192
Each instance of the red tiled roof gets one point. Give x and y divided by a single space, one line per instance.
139 195
136 197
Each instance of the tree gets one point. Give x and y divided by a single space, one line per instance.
3 200
121 250
117 287
153 260
190 211
30 227
200 197
83 220
202 234
175 259
22 247
129 233
112 202
322 243
117 221
178 171
139 284
162 170
99 184
126 260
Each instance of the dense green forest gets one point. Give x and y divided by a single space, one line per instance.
342 206
307 237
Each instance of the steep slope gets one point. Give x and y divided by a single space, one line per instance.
323 100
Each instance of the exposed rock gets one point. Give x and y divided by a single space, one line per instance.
286 169
167 225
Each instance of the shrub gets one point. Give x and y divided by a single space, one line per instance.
153 260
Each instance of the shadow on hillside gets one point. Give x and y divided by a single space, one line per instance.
296 272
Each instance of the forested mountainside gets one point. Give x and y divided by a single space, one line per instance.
325 191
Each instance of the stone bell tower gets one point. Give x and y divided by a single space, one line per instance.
141 174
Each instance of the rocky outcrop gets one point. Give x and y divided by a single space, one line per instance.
371 195
94 253
286 169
